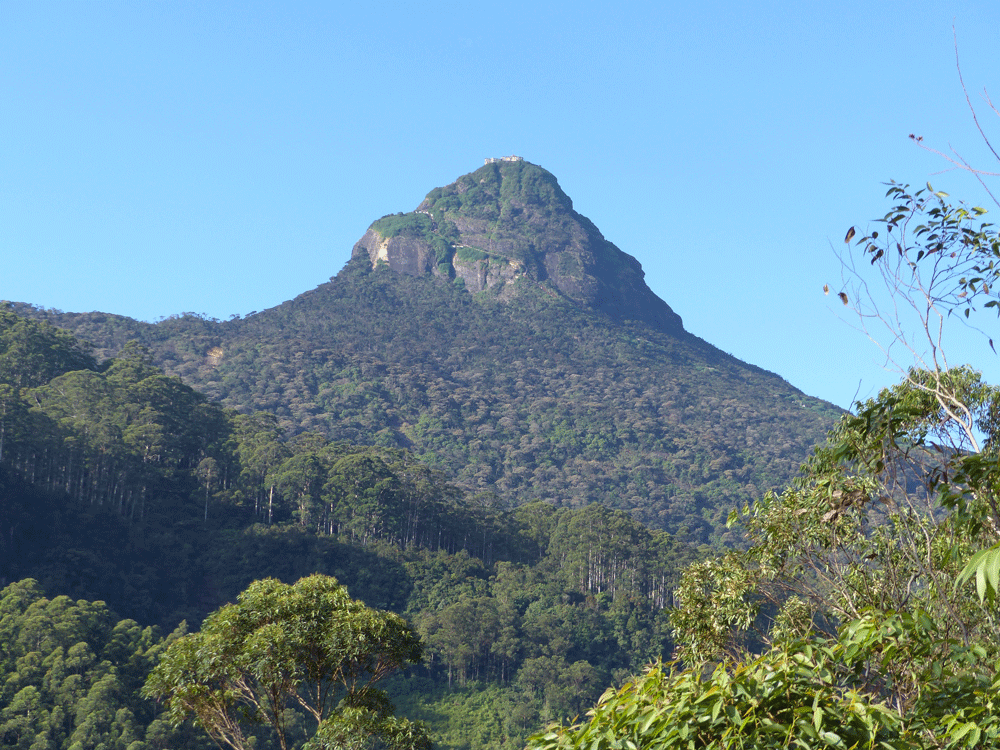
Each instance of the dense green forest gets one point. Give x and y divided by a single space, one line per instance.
124 486
583 409
485 423
72 674
365 432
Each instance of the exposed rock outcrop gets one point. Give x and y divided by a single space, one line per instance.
509 225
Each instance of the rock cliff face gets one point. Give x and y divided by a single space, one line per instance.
508 227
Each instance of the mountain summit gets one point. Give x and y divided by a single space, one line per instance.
494 334
508 227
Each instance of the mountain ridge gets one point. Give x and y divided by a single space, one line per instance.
571 389
509 223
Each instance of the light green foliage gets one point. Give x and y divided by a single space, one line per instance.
404 225
936 258
984 566
861 546
715 606
360 728
70 676
470 254
783 699
306 646
419 225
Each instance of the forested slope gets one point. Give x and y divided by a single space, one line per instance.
123 485
496 334
533 399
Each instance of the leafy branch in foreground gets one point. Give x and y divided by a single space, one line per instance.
785 698
841 624
936 260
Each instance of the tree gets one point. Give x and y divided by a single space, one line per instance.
71 675
32 353
937 259
282 649
774 701
300 477
260 452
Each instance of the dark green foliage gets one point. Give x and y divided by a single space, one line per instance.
527 613
531 400
565 381
32 354
440 452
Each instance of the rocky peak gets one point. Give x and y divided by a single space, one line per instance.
508 227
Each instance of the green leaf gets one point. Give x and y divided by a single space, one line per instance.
991 566
985 567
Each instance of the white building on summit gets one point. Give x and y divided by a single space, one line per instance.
495 159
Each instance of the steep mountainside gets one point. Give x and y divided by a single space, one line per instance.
496 334
509 226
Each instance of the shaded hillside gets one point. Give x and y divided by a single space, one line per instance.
569 386
122 485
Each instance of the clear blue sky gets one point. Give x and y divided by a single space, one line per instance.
220 158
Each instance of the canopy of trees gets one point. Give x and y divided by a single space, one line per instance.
302 656
122 484
533 399
71 676
842 624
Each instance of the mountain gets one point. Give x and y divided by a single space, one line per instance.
509 225
496 334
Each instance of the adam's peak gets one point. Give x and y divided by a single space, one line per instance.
506 228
